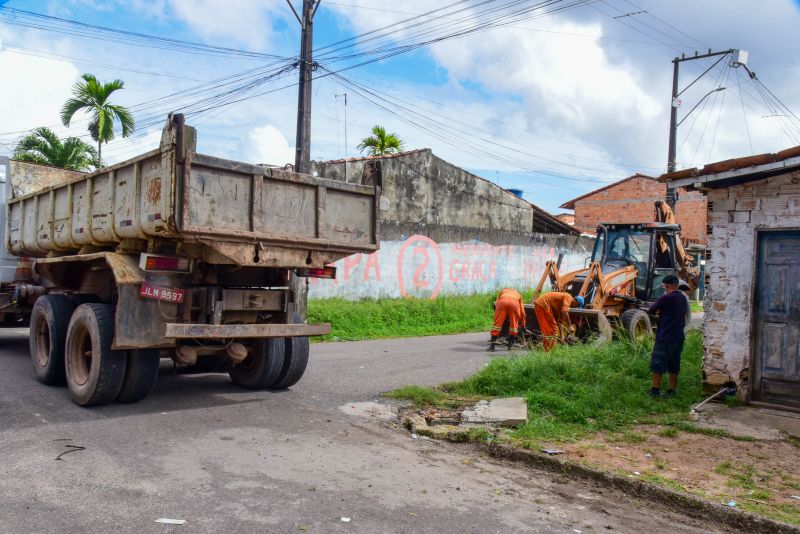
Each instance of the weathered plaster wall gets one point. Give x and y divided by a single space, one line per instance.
422 267
734 215
420 188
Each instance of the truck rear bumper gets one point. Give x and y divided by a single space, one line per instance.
225 331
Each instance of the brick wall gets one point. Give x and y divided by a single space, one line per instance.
734 214
633 200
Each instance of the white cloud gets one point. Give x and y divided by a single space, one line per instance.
266 144
35 98
248 22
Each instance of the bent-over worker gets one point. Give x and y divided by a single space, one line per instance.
552 310
507 306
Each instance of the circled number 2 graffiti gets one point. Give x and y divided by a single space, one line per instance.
428 274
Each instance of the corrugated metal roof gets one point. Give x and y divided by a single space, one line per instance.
736 170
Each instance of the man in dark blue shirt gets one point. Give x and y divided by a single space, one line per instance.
672 308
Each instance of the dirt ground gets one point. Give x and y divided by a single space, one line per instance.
760 476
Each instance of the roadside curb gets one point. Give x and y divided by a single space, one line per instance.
688 504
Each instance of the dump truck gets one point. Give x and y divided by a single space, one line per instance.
173 254
623 277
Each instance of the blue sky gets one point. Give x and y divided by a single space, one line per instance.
555 106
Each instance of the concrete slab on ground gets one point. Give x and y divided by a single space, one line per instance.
510 411
760 423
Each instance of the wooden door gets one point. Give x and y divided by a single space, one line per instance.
776 358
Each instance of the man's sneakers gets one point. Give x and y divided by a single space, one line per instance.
656 393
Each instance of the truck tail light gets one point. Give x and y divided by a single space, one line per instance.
151 262
329 272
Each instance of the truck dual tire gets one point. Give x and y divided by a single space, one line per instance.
636 323
95 373
295 360
48 333
263 366
141 374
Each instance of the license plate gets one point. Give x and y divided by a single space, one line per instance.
168 294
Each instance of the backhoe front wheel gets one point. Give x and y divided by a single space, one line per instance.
95 373
636 323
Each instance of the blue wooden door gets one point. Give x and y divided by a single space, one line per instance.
776 358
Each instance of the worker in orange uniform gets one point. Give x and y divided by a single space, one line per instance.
507 306
552 310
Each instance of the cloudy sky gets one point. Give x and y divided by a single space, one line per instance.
552 97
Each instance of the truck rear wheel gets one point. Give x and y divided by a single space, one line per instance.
636 323
141 374
263 366
48 333
295 360
95 373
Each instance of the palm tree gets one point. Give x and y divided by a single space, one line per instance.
92 96
43 146
380 143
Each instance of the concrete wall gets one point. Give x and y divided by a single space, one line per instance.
422 267
420 188
633 200
734 214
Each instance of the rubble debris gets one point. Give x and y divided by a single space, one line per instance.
552 452
508 412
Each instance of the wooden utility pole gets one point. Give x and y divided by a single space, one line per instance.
673 116
302 159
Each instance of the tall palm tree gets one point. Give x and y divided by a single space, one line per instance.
42 145
380 143
92 96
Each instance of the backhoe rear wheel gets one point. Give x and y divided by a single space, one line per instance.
95 373
636 323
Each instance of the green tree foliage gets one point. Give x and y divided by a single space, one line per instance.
92 96
43 146
380 143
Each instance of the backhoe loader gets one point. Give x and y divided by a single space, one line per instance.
623 277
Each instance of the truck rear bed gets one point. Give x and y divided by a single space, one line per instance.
220 211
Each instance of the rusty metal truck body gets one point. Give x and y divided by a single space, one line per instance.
189 255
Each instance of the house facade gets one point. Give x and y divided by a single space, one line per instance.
752 303
632 200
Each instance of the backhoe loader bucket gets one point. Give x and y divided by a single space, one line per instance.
591 325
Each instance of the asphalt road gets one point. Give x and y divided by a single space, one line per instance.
228 460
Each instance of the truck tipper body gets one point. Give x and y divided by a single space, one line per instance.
174 254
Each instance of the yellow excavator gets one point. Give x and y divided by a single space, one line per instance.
623 277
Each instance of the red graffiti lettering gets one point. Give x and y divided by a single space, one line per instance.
417 280
421 245
349 263
372 264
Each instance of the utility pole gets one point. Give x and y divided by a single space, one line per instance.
345 133
740 58
302 159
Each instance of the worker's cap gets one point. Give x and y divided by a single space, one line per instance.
670 279
683 286
580 301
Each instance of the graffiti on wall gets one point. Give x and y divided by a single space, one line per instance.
420 267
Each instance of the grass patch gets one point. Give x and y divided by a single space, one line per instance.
697 307
668 432
663 481
411 317
419 395
573 391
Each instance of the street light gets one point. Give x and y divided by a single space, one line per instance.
718 89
